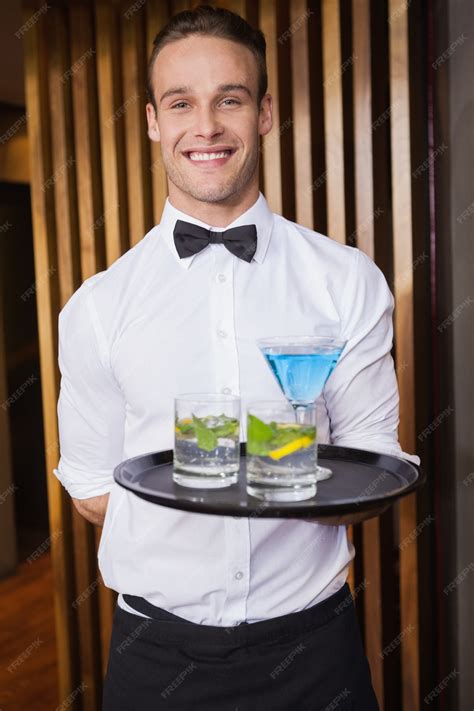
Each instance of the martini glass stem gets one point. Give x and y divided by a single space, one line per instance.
299 413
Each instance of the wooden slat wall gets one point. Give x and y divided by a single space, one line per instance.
85 66
404 329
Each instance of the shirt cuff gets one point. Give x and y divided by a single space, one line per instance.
84 485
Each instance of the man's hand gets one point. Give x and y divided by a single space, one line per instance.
93 509
348 519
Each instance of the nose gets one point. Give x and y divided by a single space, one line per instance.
207 124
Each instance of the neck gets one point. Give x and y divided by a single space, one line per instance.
216 214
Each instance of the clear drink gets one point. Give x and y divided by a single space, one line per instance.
281 453
207 441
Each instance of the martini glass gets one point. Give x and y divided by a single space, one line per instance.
301 366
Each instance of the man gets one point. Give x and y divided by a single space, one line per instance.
218 612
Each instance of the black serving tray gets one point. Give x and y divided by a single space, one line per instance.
363 481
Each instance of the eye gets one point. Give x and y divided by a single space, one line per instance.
179 105
229 102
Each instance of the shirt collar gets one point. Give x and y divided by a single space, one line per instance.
259 214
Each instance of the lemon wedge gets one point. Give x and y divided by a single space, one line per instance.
291 447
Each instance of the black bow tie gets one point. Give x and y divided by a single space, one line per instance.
190 239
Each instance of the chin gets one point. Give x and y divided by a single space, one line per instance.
211 193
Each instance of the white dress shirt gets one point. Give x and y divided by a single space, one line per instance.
152 326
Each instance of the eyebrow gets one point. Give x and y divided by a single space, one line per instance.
223 88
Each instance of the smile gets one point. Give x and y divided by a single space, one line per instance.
210 158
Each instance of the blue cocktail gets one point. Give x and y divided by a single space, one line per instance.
301 366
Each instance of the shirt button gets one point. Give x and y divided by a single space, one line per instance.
239 575
221 277
221 333
226 391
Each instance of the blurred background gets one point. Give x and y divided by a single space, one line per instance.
373 146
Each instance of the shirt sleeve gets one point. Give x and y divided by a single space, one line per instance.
362 393
91 407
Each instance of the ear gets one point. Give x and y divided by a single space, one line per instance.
265 120
153 130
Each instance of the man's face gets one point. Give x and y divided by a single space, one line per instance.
208 121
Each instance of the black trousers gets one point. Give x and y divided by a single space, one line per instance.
311 660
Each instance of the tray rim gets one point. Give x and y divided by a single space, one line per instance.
308 508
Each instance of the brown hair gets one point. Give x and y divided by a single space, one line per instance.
214 22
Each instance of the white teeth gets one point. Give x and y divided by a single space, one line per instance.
208 156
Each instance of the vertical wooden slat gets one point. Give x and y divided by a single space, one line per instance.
157 16
111 109
334 133
84 89
136 139
8 548
404 330
115 217
364 196
364 204
86 135
44 238
302 114
63 159
271 157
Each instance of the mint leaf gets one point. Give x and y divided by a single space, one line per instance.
258 431
229 427
206 438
